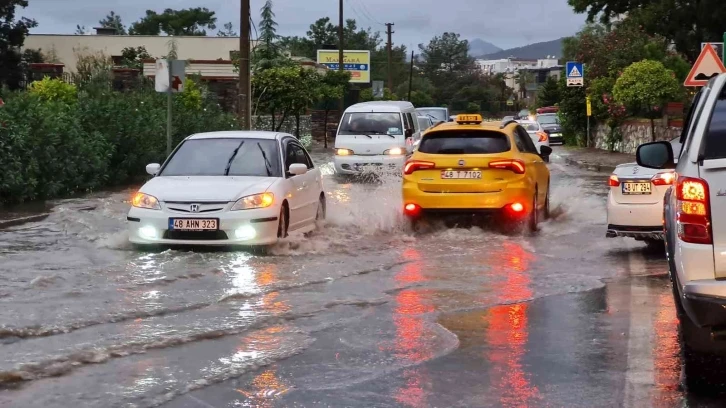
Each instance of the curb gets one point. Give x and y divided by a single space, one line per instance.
13 222
601 168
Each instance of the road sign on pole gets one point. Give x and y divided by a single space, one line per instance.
169 79
717 46
707 66
575 73
378 89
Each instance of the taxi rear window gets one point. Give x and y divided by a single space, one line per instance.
464 142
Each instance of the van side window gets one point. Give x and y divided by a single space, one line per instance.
715 141
407 121
414 124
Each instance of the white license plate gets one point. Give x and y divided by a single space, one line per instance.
193 224
636 188
555 134
460 174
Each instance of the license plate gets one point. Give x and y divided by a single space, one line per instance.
193 224
556 135
460 174
636 188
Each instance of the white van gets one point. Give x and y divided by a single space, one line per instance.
375 136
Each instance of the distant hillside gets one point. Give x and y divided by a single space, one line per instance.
531 51
479 47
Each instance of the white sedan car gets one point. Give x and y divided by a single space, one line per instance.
536 132
635 201
228 188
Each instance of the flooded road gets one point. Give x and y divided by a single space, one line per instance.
363 313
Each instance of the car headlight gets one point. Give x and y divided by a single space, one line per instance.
142 200
262 200
396 151
343 152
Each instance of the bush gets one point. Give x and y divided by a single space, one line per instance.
645 88
54 90
50 148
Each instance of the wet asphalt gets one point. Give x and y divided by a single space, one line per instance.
365 313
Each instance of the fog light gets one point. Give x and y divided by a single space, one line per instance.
147 232
245 233
412 209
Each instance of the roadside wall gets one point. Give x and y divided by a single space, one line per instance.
635 133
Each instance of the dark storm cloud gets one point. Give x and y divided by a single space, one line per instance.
506 24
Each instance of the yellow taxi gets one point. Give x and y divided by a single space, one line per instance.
472 166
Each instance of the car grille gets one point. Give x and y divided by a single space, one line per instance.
195 235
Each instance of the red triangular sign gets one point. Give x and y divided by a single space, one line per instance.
707 66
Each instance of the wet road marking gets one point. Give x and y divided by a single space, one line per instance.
639 378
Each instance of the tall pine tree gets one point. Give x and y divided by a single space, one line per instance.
268 52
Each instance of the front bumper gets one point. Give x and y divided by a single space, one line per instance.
705 302
151 227
360 164
639 221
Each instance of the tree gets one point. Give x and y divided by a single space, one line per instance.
134 57
684 22
444 62
366 95
191 21
80 30
645 87
12 38
113 20
332 87
268 52
523 78
420 98
283 91
227 31
549 93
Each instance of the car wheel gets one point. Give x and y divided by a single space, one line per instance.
283 224
703 359
322 210
533 215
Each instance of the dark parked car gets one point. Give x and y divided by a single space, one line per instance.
551 125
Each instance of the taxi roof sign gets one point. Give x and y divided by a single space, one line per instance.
468 118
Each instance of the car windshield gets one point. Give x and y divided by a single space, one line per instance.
210 157
438 114
548 120
372 123
468 142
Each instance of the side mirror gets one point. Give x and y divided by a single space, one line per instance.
297 169
545 151
153 168
655 155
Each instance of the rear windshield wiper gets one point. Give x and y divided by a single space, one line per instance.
231 159
268 166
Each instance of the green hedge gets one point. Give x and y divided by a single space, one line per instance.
50 148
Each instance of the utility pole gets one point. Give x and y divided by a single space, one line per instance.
410 78
390 56
244 103
341 105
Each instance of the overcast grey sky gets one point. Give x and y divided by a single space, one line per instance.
506 24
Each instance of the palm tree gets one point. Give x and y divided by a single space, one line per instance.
523 78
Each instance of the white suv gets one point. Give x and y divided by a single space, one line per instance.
694 217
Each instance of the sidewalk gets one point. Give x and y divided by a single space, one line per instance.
592 159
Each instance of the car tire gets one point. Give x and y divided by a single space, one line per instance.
322 209
533 218
283 222
703 359
546 212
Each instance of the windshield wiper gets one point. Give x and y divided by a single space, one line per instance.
377 133
231 159
268 166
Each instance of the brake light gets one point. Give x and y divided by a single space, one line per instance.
412 209
517 207
613 181
517 166
414 165
542 136
663 179
693 210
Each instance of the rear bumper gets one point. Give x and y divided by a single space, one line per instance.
638 221
559 139
637 232
465 202
705 302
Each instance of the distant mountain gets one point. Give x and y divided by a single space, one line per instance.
479 47
531 51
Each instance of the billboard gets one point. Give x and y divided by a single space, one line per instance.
357 62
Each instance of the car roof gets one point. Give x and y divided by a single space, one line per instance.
484 125
238 134
379 106
431 108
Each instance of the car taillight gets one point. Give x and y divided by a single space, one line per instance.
693 210
663 179
613 181
412 209
414 165
517 166
542 136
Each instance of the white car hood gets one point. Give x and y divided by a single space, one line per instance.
205 188
632 170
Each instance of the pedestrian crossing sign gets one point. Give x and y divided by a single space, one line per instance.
575 73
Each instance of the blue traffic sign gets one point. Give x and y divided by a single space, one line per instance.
348 67
575 73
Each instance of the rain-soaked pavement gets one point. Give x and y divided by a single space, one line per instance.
362 314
